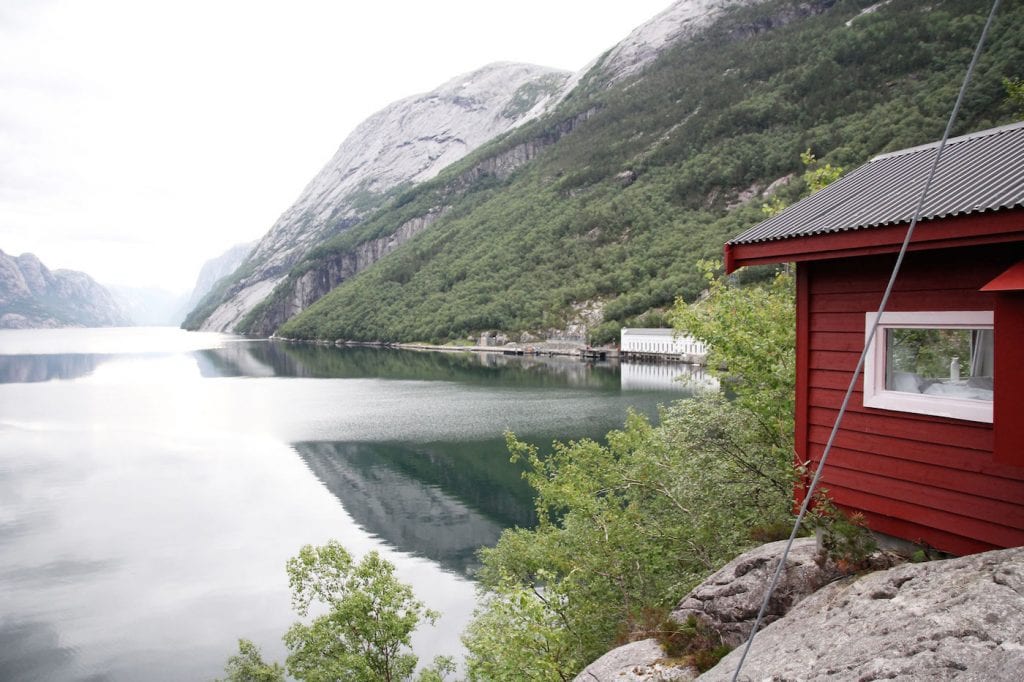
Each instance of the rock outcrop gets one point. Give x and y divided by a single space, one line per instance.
729 600
31 296
955 619
958 618
635 662
409 141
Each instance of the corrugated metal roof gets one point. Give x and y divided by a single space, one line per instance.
980 172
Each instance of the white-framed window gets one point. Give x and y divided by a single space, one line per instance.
938 363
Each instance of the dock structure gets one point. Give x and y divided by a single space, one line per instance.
599 354
661 345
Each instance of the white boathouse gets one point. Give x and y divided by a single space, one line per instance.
663 344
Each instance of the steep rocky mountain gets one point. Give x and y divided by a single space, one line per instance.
406 143
213 271
315 275
604 204
32 296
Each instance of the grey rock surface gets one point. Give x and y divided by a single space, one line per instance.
32 296
217 268
634 662
680 21
409 141
958 619
729 600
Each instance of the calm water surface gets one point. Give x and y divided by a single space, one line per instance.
154 482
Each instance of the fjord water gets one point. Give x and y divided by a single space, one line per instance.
153 483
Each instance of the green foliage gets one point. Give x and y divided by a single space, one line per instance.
248 666
688 643
929 352
370 615
693 641
517 634
627 526
528 94
624 527
706 125
816 176
1015 95
844 538
438 671
751 333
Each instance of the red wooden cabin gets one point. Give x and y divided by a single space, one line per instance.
932 447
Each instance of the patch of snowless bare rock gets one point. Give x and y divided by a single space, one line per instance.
33 296
956 619
411 140
216 269
681 21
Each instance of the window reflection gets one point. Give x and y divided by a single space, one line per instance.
943 362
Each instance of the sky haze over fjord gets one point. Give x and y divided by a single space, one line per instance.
139 139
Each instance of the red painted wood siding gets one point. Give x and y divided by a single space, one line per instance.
925 479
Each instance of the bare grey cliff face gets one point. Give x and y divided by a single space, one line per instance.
409 141
295 294
216 269
331 271
31 296
679 22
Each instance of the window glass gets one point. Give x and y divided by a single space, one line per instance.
941 362
931 362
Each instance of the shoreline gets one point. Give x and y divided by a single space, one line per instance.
580 351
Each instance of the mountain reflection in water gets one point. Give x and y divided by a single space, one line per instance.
22 369
153 483
442 501
474 368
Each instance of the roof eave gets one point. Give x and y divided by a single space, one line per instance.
965 230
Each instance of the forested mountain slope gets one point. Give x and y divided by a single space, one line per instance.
608 201
407 142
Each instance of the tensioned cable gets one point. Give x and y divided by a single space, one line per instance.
867 342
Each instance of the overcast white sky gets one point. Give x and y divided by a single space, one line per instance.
139 138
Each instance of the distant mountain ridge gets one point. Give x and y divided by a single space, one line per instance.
33 296
405 143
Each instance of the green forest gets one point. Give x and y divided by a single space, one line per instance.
662 168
